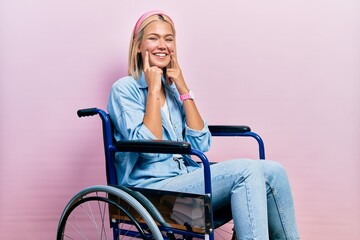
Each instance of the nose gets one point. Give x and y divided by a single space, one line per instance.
162 44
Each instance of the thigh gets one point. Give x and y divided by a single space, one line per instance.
224 176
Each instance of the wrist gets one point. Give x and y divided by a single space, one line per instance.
183 90
154 90
187 96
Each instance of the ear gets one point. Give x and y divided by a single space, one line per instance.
138 44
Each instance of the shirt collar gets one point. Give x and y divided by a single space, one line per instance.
143 84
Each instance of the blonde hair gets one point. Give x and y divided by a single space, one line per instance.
135 59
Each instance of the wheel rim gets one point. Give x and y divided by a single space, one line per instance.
88 218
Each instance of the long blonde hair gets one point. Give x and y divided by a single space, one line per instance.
135 59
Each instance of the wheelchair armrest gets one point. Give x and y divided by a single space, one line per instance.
87 112
153 146
221 130
238 131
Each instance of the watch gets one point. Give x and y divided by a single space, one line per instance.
190 95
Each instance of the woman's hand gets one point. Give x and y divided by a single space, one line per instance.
152 117
174 74
152 75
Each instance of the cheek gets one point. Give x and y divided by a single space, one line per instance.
171 47
147 46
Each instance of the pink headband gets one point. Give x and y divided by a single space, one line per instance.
145 16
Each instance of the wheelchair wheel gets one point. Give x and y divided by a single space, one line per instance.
105 212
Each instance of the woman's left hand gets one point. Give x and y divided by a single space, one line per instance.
174 75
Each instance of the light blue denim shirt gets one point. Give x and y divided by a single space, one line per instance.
126 106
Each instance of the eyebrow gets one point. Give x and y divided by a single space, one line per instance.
157 34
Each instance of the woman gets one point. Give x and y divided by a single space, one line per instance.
154 102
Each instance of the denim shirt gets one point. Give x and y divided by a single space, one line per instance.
126 106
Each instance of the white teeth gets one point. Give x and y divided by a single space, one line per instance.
160 54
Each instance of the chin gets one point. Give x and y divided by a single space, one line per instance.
161 65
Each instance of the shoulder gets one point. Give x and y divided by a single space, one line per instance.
124 86
128 91
124 83
129 83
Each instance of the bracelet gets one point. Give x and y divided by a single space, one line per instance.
190 95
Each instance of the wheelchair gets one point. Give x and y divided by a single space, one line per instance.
117 212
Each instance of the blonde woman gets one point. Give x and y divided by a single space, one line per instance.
154 102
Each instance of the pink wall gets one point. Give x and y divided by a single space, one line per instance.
290 69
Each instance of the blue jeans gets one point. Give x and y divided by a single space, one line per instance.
259 193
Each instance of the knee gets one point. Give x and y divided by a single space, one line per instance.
273 165
242 168
273 170
246 172
248 168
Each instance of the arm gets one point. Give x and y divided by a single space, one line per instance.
126 107
152 118
193 117
174 74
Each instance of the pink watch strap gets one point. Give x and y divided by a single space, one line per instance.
186 96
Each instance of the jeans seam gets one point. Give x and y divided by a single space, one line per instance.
280 210
250 209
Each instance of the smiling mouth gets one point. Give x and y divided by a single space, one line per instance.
160 54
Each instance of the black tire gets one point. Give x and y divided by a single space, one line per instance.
87 216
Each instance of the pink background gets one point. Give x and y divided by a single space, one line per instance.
289 69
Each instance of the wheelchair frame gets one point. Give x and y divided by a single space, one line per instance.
153 219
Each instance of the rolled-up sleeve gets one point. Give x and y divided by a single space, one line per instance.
199 139
126 107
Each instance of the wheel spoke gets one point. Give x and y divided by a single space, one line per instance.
87 217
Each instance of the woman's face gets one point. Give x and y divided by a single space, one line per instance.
159 41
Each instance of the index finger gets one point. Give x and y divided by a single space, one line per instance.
146 63
174 62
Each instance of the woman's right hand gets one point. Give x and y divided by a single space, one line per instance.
152 74
152 118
